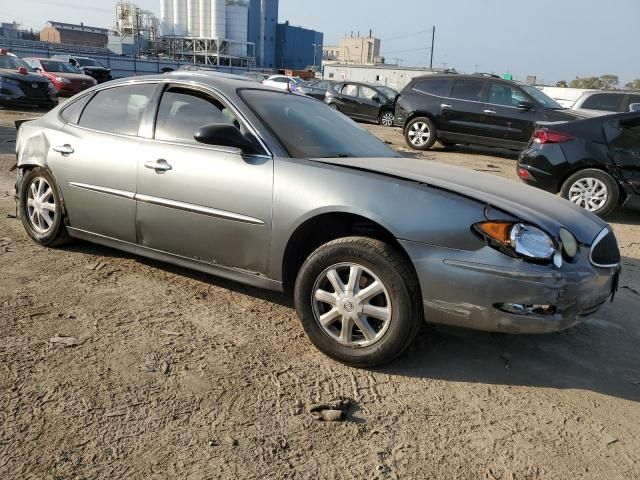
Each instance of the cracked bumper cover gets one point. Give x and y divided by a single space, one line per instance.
462 288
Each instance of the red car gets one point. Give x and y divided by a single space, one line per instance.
67 79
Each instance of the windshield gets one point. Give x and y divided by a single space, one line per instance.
308 128
541 97
88 62
13 63
61 67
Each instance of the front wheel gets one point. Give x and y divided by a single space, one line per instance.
593 190
386 119
41 208
420 133
358 301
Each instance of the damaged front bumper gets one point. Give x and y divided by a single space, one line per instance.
486 290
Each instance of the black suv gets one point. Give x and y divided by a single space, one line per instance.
361 101
473 109
88 66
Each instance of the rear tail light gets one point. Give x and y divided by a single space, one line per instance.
544 136
525 174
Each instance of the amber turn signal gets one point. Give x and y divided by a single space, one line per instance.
498 231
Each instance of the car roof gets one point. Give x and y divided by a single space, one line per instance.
614 92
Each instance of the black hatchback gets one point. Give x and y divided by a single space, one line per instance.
594 163
362 101
473 109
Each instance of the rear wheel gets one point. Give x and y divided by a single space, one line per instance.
41 208
593 190
358 300
386 119
420 133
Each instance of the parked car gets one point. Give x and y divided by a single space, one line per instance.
88 66
316 89
473 109
362 101
606 102
594 163
283 82
256 76
67 79
20 85
279 191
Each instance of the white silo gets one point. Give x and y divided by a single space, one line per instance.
166 17
193 18
180 18
237 25
219 19
204 25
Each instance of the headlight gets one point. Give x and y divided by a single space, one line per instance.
519 240
52 88
62 80
95 82
9 81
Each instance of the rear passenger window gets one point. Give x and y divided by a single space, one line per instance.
350 90
468 89
117 110
434 86
71 113
184 111
604 101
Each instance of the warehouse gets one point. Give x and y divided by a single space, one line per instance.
71 34
392 76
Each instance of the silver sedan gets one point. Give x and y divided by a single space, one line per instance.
279 191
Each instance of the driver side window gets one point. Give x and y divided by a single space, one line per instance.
369 93
182 112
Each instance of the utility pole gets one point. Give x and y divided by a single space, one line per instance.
477 66
315 49
433 42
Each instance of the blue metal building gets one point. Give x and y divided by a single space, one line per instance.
263 21
297 47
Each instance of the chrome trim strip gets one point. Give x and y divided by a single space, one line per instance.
188 207
605 231
105 190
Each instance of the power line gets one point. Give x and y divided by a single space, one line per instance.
406 35
409 50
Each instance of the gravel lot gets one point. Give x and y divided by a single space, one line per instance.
182 375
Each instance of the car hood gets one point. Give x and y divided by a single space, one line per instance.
565 114
526 203
95 68
72 76
29 77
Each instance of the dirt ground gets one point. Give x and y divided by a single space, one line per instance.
183 375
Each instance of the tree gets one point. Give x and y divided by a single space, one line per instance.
635 85
609 81
562 84
603 82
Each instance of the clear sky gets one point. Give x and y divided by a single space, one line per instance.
553 39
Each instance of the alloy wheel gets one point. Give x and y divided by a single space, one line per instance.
351 305
41 205
589 193
419 134
387 119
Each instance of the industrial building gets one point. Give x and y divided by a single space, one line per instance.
392 76
263 22
298 48
71 34
354 50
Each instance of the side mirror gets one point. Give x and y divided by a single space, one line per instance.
225 135
524 105
376 98
634 107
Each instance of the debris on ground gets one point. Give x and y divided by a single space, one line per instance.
70 341
332 411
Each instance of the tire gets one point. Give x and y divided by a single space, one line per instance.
593 190
397 313
414 134
386 119
44 222
334 106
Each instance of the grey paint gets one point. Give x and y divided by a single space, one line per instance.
233 215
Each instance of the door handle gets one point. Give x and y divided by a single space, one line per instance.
64 149
489 112
159 166
445 105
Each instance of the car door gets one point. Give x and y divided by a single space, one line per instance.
95 159
623 137
461 112
347 100
502 118
370 102
205 203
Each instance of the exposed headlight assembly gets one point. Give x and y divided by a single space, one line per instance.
520 240
62 80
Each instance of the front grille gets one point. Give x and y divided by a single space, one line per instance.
39 91
605 252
